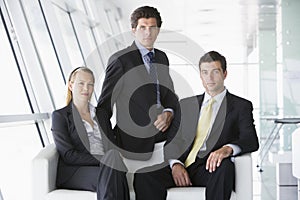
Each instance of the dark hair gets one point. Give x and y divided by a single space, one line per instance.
145 12
214 56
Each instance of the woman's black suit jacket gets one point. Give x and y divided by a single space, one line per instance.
71 142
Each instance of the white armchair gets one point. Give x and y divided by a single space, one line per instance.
243 182
44 174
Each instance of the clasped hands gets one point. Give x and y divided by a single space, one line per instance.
181 176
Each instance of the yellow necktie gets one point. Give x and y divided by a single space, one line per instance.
202 131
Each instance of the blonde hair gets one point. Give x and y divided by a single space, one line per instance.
72 77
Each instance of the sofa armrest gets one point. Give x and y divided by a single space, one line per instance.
44 167
243 179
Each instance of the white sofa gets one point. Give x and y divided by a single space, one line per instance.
44 174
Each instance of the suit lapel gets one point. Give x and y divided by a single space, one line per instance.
191 112
137 60
229 103
81 131
105 140
142 73
140 62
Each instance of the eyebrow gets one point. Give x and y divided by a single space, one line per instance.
85 81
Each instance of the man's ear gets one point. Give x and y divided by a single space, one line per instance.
225 74
158 31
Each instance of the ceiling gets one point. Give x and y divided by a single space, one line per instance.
230 27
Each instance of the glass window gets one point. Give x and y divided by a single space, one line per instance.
180 69
80 5
87 40
13 98
69 37
19 142
45 51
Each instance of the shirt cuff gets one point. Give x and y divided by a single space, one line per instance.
173 162
169 110
235 149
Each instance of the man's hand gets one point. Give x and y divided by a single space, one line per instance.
215 158
163 121
180 175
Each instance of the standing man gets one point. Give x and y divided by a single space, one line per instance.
138 83
207 132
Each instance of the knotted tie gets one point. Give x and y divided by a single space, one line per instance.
202 131
153 75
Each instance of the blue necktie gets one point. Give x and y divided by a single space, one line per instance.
153 75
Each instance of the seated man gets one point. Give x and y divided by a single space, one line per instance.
207 132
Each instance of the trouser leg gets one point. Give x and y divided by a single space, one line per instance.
85 178
112 182
150 185
219 184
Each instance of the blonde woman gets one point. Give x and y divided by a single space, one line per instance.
86 159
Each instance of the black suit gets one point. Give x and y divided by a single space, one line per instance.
77 167
128 86
233 125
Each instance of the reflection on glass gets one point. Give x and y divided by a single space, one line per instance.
45 50
70 40
13 97
80 5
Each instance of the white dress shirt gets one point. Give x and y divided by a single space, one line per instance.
93 133
216 106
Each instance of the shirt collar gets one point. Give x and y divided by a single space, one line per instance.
218 97
142 49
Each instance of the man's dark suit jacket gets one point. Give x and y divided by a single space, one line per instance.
234 124
128 86
71 142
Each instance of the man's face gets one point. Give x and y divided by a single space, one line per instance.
212 77
146 32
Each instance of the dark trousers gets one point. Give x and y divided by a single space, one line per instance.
219 184
108 180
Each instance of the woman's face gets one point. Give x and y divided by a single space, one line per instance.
82 86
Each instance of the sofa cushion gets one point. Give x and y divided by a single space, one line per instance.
190 193
62 194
